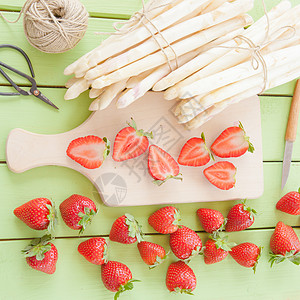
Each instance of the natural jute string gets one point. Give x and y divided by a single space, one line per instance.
53 26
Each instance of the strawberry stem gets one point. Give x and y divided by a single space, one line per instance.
38 247
86 218
160 182
159 260
257 259
247 138
178 290
140 132
126 287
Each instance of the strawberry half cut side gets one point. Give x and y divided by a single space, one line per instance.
232 142
130 142
89 151
221 174
195 153
162 166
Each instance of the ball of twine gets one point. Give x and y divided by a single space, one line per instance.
54 26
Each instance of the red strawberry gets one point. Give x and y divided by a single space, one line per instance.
162 165
232 142
77 212
180 278
240 217
89 151
165 220
284 244
152 254
221 175
130 142
41 255
290 203
211 219
185 243
216 249
246 254
117 277
94 250
38 214
194 153
126 230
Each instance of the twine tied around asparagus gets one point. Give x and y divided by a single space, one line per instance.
138 19
257 58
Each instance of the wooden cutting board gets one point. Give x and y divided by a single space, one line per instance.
128 183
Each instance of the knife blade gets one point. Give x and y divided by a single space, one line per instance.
291 133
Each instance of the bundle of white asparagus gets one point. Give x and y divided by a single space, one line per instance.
192 50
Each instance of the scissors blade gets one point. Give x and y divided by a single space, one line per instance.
39 95
286 162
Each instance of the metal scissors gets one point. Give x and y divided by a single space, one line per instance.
33 90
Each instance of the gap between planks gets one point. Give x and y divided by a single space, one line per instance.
145 234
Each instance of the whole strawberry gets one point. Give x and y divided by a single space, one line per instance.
41 255
284 244
246 254
216 249
126 230
152 254
77 212
94 250
38 214
211 219
240 217
165 220
180 278
290 203
117 277
185 243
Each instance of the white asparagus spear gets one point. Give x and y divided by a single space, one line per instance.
213 5
159 5
253 32
181 47
205 57
77 88
94 93
239 72
217 108
108 96
225 12
256 80
142 87
71 81
133 81
166 19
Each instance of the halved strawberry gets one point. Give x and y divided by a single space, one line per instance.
162 166
89 151
130 142
221 175
194 153
232 142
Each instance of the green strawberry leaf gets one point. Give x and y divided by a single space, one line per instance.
247 138
160 182
38 247
86 218
178 290
159 260
107 148
177 217
52 217
140 132
126 287
134 229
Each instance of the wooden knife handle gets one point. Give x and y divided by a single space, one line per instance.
291 130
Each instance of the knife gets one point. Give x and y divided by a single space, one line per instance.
291 133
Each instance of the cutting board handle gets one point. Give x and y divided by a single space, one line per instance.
291 131
26 150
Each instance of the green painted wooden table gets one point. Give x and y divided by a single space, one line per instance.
75 278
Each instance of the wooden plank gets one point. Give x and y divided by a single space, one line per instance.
96 8
75 278
33 115
59 183
49 67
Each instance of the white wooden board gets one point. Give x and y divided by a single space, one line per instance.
128 183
